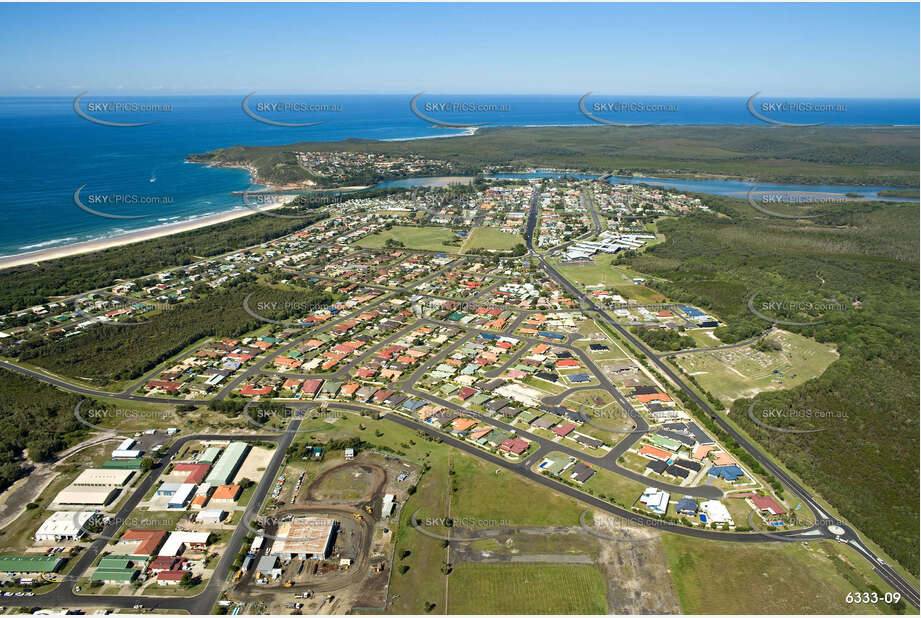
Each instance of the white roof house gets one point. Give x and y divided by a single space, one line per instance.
716 512
655 500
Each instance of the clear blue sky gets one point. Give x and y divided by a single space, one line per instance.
845 50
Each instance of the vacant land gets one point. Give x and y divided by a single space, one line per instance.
617 278
526 589
768 578
491 238
745 372
424 238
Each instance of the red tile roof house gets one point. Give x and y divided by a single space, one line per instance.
382 395
251 390
290 363
170 578
516 446
170 387
310 387
767 503
165 564
563 430
567 362
466 393
291 384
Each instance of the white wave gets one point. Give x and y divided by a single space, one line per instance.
48 243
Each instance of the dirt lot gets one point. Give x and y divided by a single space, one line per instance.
636 570
254 465
351 493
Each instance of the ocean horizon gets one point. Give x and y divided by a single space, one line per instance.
52 151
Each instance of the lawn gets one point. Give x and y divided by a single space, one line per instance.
491 238
609 485
768 578
526 589
425 238
618 278
744 372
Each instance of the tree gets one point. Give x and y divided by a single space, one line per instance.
186 581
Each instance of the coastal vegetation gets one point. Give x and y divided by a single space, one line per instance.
806 155
35 418
106 354
26 286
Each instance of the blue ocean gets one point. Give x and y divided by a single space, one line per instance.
50 151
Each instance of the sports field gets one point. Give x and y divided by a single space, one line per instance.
526 589
491 238
424 238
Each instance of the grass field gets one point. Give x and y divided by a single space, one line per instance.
620 278
425 238
768 578
744 372
526 589
491 238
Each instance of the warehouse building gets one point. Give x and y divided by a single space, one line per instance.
305 537
102 477
85 496
181 496
228 464
65 526
179 541
210 455
15 563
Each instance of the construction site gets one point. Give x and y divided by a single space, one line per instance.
323 544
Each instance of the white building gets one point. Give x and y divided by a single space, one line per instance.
716 512
65 526
387 506
210 516
181 496
178 541
655 500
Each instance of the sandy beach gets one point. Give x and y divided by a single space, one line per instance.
157 231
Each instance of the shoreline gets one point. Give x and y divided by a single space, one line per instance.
148 233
